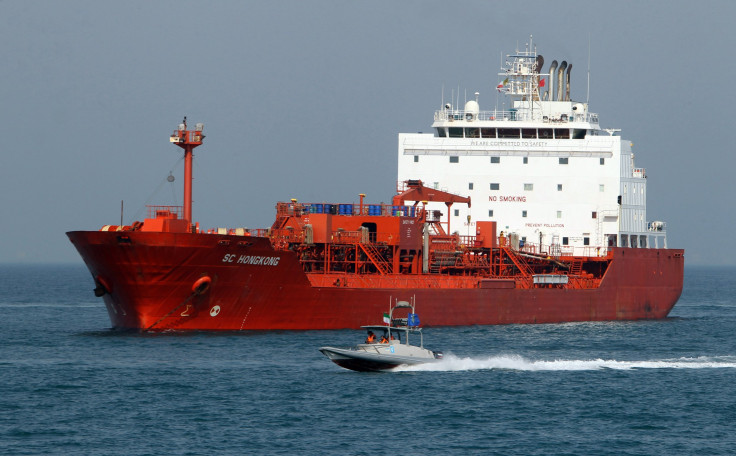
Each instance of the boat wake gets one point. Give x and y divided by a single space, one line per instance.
453 363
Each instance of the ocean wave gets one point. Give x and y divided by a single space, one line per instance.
48 304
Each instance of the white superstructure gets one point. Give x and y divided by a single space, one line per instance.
543 170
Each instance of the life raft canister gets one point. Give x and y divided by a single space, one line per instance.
201 285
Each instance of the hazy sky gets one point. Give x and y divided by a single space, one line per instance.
305 99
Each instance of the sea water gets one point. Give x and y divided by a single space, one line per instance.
70 385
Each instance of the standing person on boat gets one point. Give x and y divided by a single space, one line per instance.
371 339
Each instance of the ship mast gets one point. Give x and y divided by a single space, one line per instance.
521 79
188 140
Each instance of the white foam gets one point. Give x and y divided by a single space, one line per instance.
519 363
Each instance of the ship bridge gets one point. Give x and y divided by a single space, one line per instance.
537 120
541 107
542 166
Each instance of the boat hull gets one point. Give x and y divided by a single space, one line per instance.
362 361
197 281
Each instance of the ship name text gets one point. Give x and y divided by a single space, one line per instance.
251 259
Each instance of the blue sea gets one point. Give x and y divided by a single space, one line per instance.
70 385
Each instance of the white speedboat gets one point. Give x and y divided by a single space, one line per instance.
387 346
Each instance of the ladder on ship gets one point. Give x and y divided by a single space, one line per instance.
576 267
518 261
376 258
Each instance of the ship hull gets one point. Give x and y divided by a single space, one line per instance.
196 281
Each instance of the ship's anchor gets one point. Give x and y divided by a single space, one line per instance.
101 288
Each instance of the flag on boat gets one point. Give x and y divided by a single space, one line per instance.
413 320
386 318
541 83
501 85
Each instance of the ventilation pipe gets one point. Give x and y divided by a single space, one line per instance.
551 85
540 63
567 86
425 248
561 81
537 70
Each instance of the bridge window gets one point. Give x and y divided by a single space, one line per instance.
509 133
472 133
442 132
455 132
528 132
562 133
545 133
578 134
488 132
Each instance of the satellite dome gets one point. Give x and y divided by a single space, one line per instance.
471 110
472 107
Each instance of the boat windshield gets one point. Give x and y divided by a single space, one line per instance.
382 334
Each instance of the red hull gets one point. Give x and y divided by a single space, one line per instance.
149 278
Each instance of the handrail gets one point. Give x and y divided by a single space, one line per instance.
164 211
512 115
297 209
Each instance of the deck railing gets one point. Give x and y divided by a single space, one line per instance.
639 172
513 115
297 209
164 211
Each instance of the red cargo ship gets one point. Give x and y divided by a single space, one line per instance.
330 266
324 266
